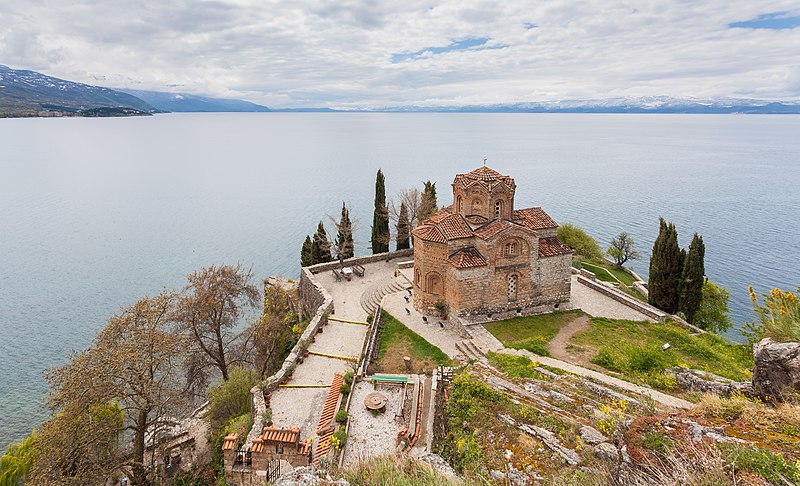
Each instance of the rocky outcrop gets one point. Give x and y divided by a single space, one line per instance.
309 476
776 374
705 382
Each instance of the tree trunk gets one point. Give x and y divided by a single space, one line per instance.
138 470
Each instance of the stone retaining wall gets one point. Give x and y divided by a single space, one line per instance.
625 299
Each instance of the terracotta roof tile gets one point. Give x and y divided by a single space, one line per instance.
534 218
454 227
441 214
467 258
281 434
492 228
329 409
485 176
229 442
429 232
549 247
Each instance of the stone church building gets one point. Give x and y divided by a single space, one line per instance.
481 256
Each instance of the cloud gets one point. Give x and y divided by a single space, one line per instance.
369 53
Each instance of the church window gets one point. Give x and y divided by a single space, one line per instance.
510 249
458 204
512 288
416 276
498 208
434 284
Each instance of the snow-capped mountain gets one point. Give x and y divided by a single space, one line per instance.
25 92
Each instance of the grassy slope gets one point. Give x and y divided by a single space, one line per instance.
531 332
633 348
398 341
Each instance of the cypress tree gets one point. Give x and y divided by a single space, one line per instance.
321 247
380 219
429 203
692 278
306 256
345 247
403 229
666 267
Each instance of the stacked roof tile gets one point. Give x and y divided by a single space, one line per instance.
549 247
229 442
485 176
467 258
324 429
534 218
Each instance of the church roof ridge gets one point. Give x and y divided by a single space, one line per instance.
483 175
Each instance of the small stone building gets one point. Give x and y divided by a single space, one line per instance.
481 256
260 462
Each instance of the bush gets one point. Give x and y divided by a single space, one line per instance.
515 366
230 398
773 467
348 377
580 241
339 438
645 360
345 389
341 416
607 360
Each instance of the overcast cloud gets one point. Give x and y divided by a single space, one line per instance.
362 53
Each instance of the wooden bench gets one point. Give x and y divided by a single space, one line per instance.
337 275
359 270
388 380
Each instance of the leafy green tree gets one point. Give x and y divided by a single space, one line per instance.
15 464
306 255
666 267
713 312
576 238
429 203
345 248
321 246
622 249
403 229
692 278
230 398
380 218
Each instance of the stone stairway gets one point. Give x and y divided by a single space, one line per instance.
372 296
483 339
470 350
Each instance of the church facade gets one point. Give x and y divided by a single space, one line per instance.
482 256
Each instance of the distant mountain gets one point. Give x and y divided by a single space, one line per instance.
28 93
644 104
182 102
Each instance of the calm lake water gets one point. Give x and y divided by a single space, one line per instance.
95 213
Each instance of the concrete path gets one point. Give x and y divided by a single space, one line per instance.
487 342
598 305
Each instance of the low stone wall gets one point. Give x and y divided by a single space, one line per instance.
625 299
361 260
686 325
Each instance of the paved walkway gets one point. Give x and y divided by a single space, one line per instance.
487 342
598 305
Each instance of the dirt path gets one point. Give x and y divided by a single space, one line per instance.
558 345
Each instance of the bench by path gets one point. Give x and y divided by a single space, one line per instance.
486 342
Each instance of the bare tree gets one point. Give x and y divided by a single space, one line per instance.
269 337
412 199
209 309
622 249
130 377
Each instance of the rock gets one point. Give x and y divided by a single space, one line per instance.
717 434
705 382
497 475
776 374
609 393
606 451
551 441
517 478
308 476
592 436
439 464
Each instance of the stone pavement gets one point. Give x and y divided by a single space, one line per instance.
598 305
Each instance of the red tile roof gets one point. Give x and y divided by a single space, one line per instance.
280 434
329 409
429 232
485 176
467 258
229 442
454 227
534 218
549 247
492 228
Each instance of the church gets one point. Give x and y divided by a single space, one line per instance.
481 257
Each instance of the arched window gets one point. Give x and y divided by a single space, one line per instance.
458 204
512 288
498 208
511 249
434 284
416 276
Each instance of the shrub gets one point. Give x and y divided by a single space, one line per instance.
341 416
580 241
607 360
771 466
230 398
645 360
515 366
339 438
348 377
266 417
345 389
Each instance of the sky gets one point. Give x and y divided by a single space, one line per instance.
371 53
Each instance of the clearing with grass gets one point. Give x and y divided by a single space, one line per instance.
398 341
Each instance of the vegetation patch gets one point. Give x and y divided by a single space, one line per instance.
398 341
531 332
399 471
635 349
515 366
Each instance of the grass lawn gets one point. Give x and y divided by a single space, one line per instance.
397 341
634 349
531 332
602 270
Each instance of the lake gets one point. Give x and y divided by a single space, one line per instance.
97 213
